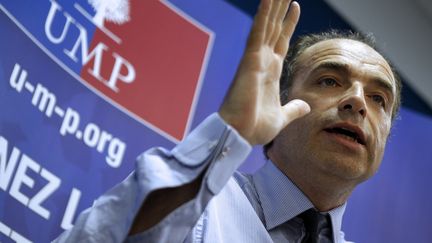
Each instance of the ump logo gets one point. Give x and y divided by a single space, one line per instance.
146 57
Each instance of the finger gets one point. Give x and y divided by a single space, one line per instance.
258 30
289 26
272 21
295 109
279 21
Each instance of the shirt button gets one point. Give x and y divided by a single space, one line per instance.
225 151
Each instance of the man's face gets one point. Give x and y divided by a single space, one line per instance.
351 90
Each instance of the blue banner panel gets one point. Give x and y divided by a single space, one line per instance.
83 95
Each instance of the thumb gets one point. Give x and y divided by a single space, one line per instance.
295 109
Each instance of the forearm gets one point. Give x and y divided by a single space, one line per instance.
174 211
162 202
168 190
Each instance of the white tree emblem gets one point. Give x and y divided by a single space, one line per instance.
116 11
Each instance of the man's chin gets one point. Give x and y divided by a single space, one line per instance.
344 166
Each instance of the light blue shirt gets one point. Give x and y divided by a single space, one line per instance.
229 207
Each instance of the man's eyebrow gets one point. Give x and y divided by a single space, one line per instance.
384 84
344 68
335 66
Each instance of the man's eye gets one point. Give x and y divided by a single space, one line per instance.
328 82
378 99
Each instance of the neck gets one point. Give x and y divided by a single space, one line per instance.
324 194
325 191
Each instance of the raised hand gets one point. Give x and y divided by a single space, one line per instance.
252 105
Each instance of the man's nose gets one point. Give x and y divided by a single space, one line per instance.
354 100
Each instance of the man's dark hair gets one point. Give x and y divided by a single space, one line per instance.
306 41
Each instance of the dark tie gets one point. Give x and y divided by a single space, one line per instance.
318 227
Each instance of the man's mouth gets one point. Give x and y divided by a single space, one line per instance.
349 132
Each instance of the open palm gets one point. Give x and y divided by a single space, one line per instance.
252 105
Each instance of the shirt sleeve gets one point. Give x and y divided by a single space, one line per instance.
213 148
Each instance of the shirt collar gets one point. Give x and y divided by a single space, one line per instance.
282 200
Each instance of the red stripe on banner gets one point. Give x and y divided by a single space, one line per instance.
167 53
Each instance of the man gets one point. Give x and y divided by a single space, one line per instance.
329 137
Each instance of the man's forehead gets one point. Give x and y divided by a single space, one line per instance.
345 51
353 48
